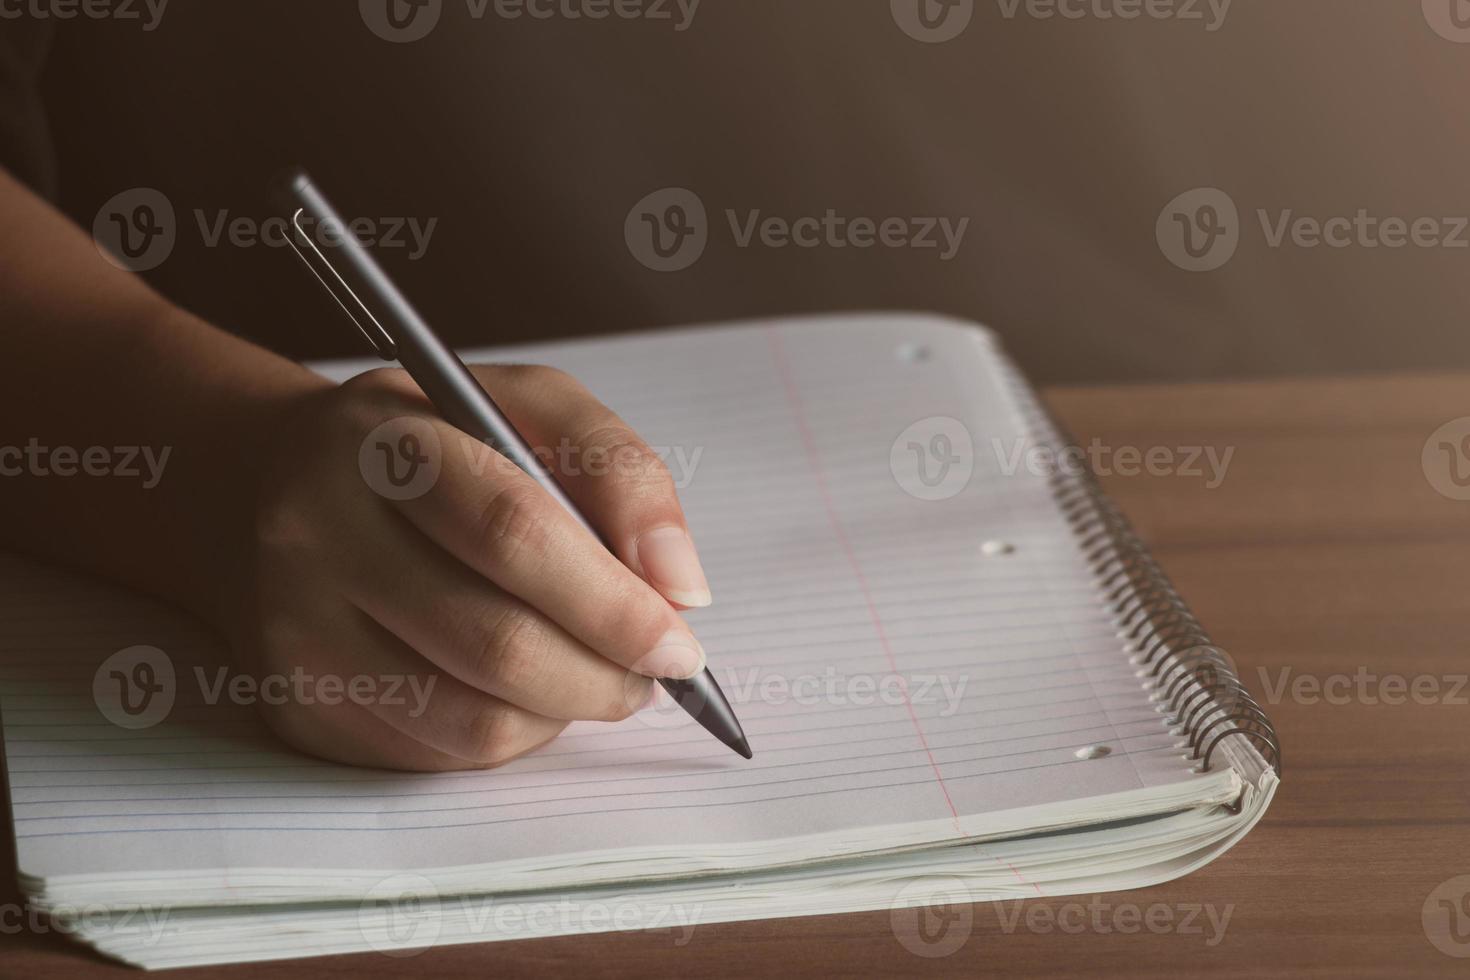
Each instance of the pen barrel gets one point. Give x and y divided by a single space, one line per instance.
396 330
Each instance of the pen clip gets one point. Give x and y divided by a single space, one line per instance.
378 337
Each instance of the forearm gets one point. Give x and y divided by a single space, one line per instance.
132 429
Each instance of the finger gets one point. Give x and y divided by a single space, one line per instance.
618 482
411 699
483 636
463 722
498 521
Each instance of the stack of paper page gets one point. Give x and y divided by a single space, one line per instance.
944 684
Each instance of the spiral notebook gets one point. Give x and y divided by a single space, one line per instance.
963 678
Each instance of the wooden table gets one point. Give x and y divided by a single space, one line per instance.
1325 551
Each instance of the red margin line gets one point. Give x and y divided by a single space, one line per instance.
783 367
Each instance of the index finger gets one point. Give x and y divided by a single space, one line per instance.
497 520
619 483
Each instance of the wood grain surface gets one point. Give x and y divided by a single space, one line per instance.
1325 553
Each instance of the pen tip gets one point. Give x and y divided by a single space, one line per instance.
739 744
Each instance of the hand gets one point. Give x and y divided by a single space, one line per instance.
475 588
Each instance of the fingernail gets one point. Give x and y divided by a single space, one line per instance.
672 566
677 656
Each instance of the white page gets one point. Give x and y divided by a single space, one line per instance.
823 568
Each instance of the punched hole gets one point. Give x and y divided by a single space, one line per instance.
1094 752
913 353
996 549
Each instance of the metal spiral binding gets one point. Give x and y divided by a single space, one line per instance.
1204 700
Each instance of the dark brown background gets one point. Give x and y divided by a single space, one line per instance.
1061 140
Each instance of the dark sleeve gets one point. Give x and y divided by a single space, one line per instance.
25 141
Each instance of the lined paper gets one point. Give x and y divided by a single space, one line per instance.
897 682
